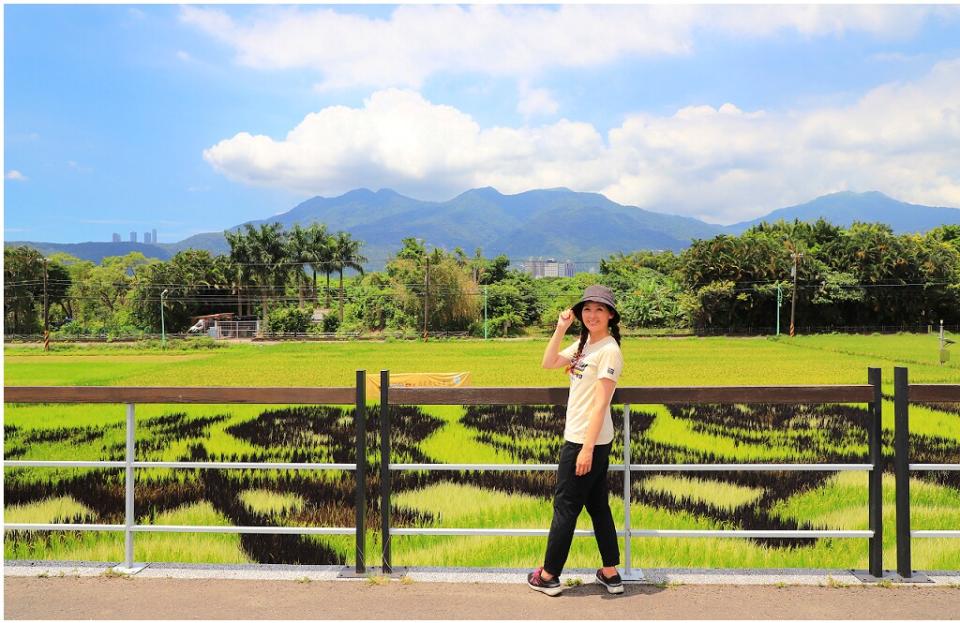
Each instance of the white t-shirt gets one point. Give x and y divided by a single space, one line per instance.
600 360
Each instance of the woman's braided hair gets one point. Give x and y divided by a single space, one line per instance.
614 327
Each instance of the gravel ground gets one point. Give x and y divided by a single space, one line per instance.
94 591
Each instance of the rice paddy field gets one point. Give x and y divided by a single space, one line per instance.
475 434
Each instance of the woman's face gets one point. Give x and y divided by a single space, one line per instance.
596 316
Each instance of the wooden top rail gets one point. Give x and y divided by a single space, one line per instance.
788 394
214 395
782 394
933 393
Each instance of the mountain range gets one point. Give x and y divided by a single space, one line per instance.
550 223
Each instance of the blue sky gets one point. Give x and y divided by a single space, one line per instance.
195 118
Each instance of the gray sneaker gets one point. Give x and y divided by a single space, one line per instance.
614 584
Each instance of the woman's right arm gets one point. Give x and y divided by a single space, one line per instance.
552 357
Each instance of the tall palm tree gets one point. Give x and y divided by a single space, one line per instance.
239 271
346 254
300 251
268 255
320 255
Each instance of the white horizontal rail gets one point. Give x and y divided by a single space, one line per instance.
929 467
779 534
667 467
483 532
224 465
243 529
754 467
935 534
102 527
790 534
506 467
13 463
183 465
164 528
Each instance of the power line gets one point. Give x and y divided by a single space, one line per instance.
256 297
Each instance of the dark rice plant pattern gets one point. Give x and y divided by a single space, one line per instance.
827 433
524 433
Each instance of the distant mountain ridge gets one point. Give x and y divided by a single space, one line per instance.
552 223
557 223
843 208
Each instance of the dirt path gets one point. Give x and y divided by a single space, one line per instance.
155 598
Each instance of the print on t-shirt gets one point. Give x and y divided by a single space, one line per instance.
577 366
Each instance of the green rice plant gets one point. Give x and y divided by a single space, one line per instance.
266 501
648 361
190 547
720 494
453 434
62 509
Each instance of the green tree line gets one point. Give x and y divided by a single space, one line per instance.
864 275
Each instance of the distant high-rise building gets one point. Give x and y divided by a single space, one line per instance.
154 236
538 268
116 237
146 237
133 236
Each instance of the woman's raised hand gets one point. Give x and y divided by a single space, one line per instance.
565 320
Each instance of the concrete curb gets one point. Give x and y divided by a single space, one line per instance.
326 573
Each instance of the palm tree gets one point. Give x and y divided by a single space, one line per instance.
346 254
320 255
239 271
268 255
300 250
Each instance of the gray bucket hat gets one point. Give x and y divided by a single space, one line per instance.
597 294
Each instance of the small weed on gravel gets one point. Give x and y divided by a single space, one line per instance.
832 582
377 580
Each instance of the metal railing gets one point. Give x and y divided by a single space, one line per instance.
869 393
904 394
209 395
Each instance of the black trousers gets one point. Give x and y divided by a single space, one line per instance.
572 494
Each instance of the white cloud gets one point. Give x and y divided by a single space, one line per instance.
534 102
722 164
184 56
15 176
417 41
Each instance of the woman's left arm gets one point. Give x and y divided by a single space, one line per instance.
601 399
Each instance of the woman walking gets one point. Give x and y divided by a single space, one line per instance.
594 364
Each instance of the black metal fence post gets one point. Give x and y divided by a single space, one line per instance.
387 567
875 494
901 462
360 421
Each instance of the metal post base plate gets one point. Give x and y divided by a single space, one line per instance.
891 576
634 575
351 572
915 578
866 577
135 569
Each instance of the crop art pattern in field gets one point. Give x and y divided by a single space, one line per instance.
238 433
488 498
